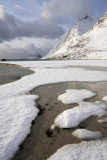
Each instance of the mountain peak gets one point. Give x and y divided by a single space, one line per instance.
85 24
105 14
85 18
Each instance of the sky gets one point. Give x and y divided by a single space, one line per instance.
33 26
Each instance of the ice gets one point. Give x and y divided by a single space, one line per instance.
73 117
75 96
86 134
93 150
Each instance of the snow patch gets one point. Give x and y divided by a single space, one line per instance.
73 117
86 134
104 120
105 98
75 96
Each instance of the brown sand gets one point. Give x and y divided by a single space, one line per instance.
10 73
41 143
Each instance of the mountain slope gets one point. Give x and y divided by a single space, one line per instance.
83 41
34 56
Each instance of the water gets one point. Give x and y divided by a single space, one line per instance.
24 60
29 60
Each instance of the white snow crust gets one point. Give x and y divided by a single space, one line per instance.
16 115
86 134
73 117
93 150
75 96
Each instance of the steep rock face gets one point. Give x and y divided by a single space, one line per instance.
34 56
83 41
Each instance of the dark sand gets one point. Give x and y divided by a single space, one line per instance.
10 73
41 144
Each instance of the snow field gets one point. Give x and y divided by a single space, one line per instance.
16 115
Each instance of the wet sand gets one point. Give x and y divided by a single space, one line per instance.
10 73
41 143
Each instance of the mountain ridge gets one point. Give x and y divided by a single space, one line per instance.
80 41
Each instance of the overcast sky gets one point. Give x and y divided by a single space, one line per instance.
29 26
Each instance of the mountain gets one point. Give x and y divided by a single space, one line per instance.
86 40
34 56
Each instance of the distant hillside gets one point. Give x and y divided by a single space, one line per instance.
34 56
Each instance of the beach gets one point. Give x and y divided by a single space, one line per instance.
42 142
10 73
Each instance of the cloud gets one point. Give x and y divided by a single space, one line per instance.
21 12
22 48
12 27
61 10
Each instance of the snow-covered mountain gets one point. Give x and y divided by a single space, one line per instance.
34 56
86 40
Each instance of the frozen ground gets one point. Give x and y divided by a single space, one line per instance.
17 107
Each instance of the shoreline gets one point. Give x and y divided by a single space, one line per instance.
39 145
11 72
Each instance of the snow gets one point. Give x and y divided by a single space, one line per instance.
83 151
59 43
17 107
105 98
75 96
104 120
59 64
86 134
73 117
16 115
